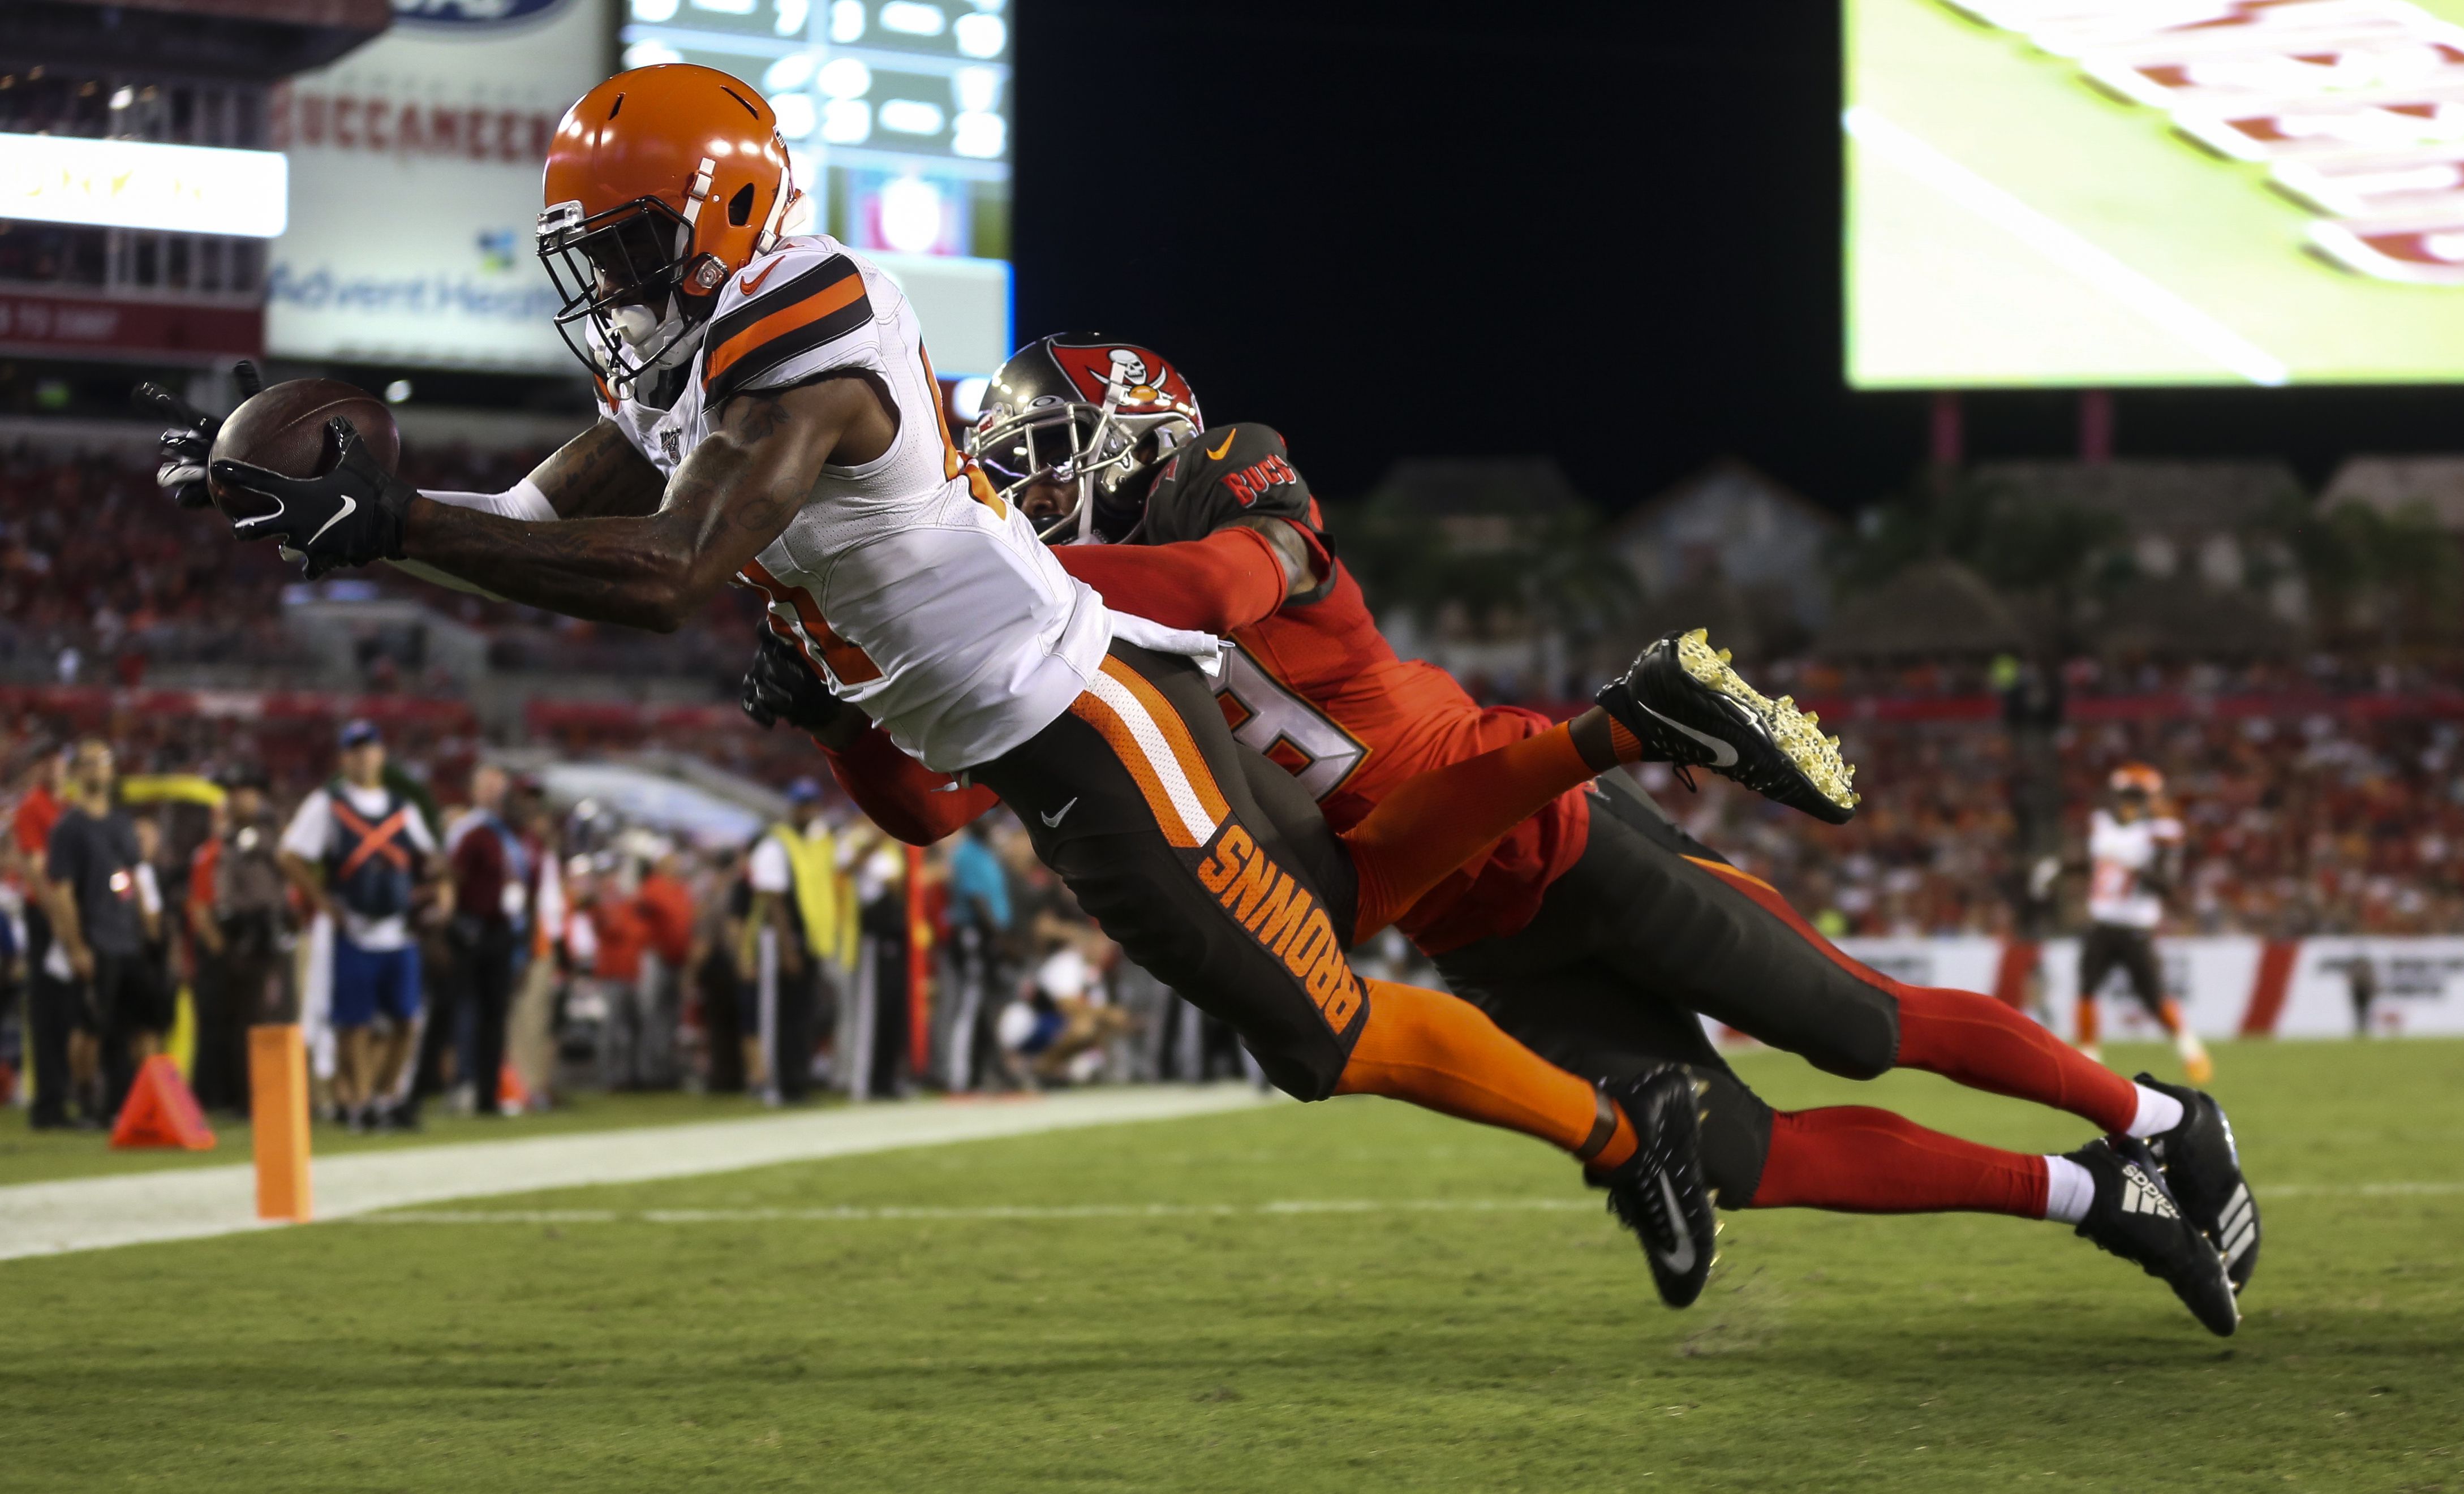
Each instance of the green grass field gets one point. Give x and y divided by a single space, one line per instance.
1407 1339
1941 295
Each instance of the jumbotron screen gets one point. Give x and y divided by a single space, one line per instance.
2117 192
896 116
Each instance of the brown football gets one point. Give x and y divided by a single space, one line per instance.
282 428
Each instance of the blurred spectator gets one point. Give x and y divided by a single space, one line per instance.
530 1045
793 922
361 852
154 974
492 874
60 1038
1052 1032
98 922
630 1038
666 905
980 924
874 1033
237 897
718 931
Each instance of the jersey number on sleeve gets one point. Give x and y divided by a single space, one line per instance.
1281 726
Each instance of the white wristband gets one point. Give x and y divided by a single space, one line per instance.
523 500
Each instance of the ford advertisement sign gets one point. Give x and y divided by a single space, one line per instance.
472 13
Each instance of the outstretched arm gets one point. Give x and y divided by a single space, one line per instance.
732 497
597 474
729 500
1225 582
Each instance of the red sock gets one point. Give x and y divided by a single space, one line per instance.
1444 1054
1423 831
1856 1159
2090 1020
2168 1013
1976 1041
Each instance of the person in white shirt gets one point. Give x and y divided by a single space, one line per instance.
364 856
2134 858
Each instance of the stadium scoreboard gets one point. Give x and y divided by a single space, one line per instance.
896 117
2118 192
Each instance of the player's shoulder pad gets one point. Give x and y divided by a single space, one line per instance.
1226 473
804 295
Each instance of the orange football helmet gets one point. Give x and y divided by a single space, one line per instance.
2136 778
661 182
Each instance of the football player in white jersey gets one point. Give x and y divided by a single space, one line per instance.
771 415
2134 852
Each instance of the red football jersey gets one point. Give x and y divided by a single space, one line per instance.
1316 688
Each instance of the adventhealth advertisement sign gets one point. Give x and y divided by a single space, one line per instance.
415 182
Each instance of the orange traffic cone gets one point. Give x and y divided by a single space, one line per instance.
513 1096
161 1111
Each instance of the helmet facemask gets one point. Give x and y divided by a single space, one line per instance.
1094 449
634 301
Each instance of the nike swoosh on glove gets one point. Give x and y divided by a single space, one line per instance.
782 687
186 445
352 515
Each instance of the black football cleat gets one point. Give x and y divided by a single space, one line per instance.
2137 1217
1690 709
1658 1192
2202 1166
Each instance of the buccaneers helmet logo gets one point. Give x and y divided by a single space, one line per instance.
1145 381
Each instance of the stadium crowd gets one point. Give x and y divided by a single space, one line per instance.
448 933
99 580
2321 823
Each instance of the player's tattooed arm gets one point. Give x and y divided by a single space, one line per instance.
1299 565
730 499
598 474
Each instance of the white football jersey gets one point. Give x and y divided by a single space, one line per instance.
917 593
2119 854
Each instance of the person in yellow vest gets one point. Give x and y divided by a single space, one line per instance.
793 934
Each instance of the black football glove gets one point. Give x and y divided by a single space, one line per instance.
190 437
352 515
782 687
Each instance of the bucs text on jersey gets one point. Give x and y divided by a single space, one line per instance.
1316 688
906 582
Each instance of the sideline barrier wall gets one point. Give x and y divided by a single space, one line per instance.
2229 986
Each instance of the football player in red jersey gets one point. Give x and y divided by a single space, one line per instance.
1597 931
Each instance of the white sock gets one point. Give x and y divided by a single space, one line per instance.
2068 1190
2187 1045
2158 1114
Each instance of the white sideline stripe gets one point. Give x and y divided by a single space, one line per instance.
1159 754
2359 1190
138 1208
856 1213
2061 245
852 1215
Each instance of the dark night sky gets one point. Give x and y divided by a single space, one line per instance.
1606 232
